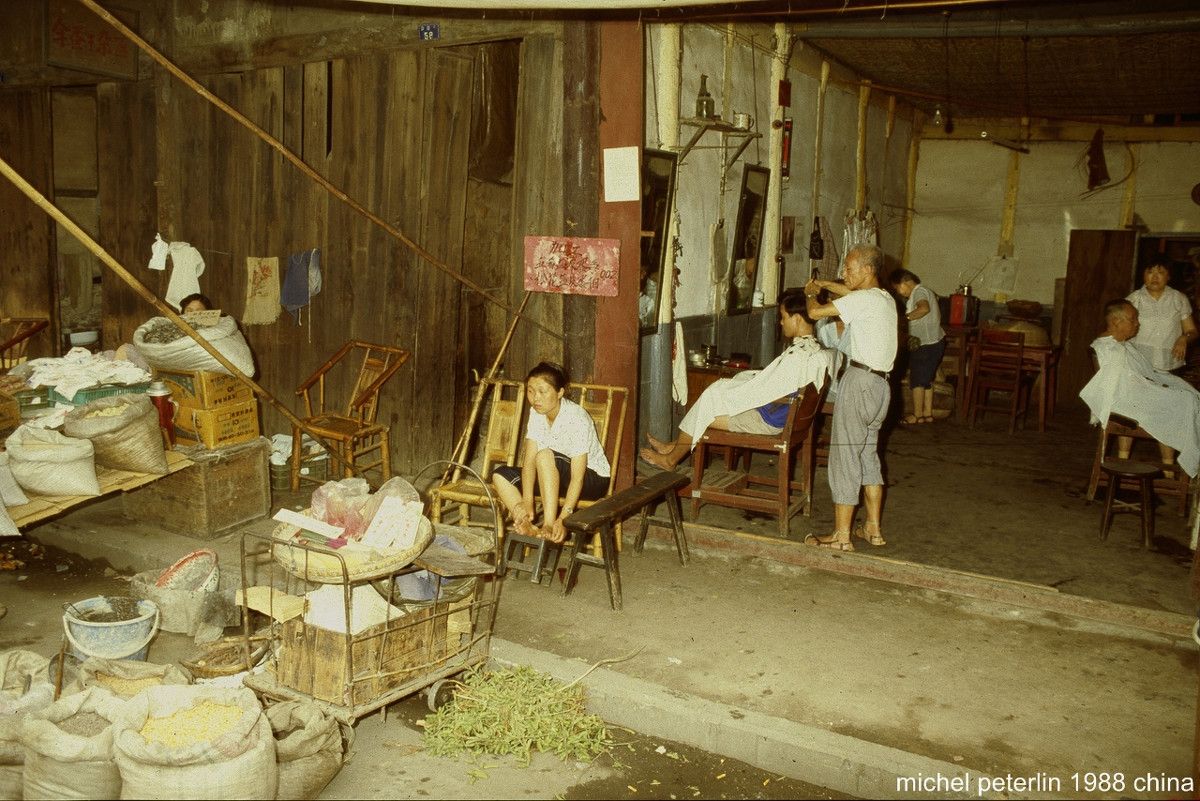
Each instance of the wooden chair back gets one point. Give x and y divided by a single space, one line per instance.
507 411
605 404
997 363
375 365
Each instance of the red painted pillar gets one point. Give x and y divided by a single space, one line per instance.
621 123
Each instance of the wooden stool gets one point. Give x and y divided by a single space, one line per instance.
599 518
544 550
1143 474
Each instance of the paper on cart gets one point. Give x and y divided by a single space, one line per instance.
395 525
271 602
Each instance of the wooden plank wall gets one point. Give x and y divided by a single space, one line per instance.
27 234
389 131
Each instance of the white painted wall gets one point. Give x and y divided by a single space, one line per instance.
738 65
959 208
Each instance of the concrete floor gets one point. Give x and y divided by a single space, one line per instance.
995 634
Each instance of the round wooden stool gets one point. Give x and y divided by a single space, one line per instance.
1144 475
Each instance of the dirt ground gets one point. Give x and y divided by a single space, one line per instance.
783 630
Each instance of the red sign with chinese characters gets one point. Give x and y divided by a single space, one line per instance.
572 265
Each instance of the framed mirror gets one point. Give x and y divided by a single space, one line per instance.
658 197
745 257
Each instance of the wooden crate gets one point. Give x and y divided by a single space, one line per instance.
313 660
223 489
215 428
202 389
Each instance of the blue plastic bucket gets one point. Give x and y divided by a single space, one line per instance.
90 632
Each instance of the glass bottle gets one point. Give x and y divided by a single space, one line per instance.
705 107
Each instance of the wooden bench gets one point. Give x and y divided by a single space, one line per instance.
599 518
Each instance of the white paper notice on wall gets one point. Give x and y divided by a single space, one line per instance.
1000 275
622 174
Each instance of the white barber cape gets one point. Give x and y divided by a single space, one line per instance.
804 362
1166 406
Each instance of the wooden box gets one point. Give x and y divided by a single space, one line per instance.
313 660
214 428
225 488
10 414
202 389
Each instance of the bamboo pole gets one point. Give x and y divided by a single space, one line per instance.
460 449
299 163
62 219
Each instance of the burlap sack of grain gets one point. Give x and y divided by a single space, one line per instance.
10 490
123 678
17 668
7 527
69 748
186 353
48 463
308 747
124 433
235 760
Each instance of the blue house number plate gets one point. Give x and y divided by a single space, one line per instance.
428 32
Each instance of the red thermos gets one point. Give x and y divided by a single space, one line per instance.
160 396
964 307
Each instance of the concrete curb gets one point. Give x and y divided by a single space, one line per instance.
803 752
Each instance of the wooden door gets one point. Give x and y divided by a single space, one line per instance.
1100 266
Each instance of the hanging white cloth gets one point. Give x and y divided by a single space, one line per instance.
679 387
187 265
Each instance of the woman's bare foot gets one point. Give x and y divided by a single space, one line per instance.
657 444
526 528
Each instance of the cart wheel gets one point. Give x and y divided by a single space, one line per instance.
438 694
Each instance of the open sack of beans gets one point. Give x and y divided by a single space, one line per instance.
167 346
195 742
124 433
68 748
46 462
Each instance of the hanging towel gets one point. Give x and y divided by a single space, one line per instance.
158 254
262 290
679 387
187 265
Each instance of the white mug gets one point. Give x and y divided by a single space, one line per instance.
742 121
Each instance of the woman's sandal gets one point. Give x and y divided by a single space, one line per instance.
925 419
833 544
860 531
909 420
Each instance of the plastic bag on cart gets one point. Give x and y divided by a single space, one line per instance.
340 503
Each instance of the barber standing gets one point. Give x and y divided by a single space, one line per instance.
863 392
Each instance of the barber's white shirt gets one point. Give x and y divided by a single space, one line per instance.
871 323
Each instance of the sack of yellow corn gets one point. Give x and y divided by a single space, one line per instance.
123 677
195 742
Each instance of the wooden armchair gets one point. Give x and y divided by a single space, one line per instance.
997 365
15 333
506 402
785 496
352 431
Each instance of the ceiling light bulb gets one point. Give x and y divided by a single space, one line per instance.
937 116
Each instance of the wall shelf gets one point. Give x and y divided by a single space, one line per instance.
727 132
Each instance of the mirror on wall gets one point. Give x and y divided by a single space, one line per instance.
658 197
747 239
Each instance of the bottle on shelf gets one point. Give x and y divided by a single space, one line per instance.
705 107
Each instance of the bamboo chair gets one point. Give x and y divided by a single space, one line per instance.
507 410
353 433
782 496
15 333
606 405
